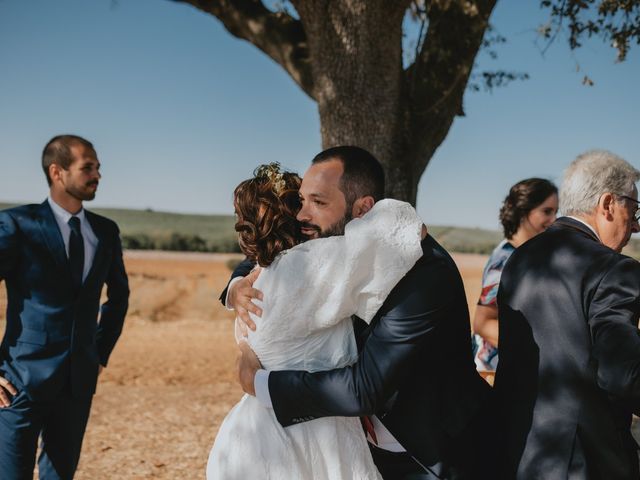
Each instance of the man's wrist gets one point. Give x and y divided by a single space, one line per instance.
261 387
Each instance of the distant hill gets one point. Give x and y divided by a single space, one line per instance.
466 240
151 230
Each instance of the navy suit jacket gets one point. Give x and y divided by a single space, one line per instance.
415 371
568 378
53 338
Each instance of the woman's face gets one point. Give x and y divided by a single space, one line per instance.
542 216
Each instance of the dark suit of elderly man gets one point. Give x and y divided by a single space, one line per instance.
568 379
55 258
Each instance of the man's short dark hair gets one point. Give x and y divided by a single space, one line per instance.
362 175
58 151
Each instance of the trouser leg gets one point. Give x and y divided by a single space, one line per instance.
20 424
62 433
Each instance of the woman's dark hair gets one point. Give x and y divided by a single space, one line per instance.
523 197
266 208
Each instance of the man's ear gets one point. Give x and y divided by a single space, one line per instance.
362 206
606 205
54 172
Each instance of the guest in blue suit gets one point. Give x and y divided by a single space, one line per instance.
55 259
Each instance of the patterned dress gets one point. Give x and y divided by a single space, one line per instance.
486 355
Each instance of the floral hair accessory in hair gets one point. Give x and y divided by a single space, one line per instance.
272 172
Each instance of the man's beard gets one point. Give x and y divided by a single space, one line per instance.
79 194
333 230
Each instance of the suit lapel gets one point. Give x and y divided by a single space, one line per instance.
52 236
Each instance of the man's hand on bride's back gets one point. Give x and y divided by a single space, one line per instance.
240 298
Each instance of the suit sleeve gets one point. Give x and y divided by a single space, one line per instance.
411 317
613 320
8 245
242 270
114 310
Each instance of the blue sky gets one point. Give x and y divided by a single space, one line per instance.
180 111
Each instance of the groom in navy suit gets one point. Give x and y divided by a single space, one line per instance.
55 258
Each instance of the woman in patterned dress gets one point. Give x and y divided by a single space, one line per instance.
528 210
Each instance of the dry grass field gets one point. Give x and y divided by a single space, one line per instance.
170 380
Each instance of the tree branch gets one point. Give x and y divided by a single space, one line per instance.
277 34
615 21
437 80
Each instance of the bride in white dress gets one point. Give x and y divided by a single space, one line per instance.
310 292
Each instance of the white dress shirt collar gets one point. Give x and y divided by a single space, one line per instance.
62 214
585 224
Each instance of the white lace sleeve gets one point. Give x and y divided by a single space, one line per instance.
381 248
333 278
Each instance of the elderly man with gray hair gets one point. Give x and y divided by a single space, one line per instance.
568 379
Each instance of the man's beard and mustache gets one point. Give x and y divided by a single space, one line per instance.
331 231
82 194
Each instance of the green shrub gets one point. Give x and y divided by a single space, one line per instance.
138 241
184 243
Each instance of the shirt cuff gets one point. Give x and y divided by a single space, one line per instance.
226 298
261 386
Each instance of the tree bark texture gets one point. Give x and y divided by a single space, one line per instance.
347 56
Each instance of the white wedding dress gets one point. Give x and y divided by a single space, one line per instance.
310 293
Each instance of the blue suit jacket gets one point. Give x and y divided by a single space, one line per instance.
53 338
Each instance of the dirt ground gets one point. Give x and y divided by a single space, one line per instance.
170 380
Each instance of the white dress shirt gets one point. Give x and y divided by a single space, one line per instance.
89 238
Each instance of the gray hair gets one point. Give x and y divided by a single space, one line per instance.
592 174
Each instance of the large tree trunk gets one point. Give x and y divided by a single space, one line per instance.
347 55
356 62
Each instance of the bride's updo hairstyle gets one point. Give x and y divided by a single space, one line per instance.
266 208
523 197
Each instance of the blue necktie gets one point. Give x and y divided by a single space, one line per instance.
76 252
